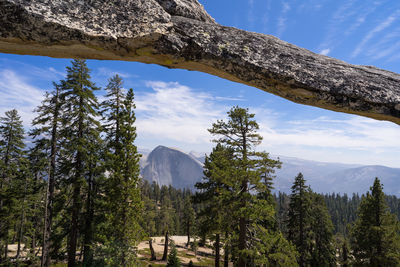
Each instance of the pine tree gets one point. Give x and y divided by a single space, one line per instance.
173 260
214 195
38 164
11 155
94 174
247 175
299 219
78 129
323 252
46 136
122 163
309 226
375 235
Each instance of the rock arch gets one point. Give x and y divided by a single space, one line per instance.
180 34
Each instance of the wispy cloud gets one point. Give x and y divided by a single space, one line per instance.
376 30
388 46
282 19
108 73
325 52
311 5
342 14
17 93
250 15
176 112
356 140
362 16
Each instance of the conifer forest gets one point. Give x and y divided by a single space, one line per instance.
71 194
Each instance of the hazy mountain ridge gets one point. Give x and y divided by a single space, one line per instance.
182 170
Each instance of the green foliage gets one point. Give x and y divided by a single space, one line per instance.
173 260
44 157
309 226
274 250
323 251
163 208
79 131
13 167
375 235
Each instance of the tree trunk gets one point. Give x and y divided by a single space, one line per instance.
21 225
242 219
217 248
50 185
165 255
242 231
6 246
188 234
301 234
76 197
73 236
3 183
345 256
88 235
226 251
153 254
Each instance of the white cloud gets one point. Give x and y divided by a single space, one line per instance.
353 133
325 52
176 112
17 93
355 140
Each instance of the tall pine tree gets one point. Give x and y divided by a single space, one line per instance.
215 195
375 235
11 156
309 226
247 176
298 223
46 136
122 164
79 117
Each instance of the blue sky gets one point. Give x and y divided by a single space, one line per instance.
175 107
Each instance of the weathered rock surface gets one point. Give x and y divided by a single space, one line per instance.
180 34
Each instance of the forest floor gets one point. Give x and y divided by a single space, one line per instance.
203 257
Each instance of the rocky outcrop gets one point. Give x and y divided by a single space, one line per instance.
180 34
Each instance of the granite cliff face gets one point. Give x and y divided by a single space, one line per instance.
168 166
180 34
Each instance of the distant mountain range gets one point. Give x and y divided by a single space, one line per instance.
182 170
